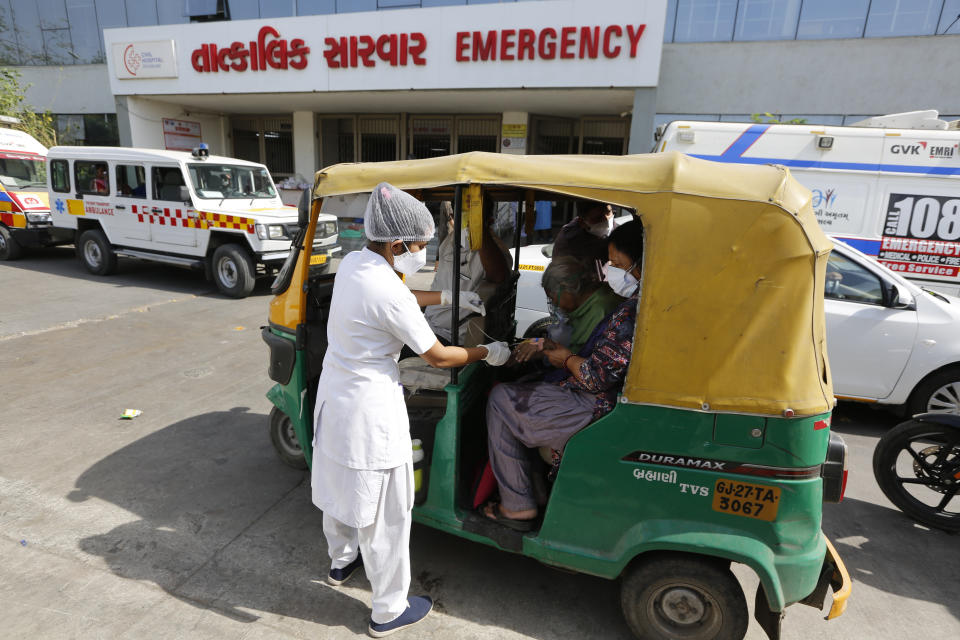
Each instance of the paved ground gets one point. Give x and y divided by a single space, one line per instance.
183 523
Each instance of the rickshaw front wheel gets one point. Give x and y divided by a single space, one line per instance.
285 441
683 597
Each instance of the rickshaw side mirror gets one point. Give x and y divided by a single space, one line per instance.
303 208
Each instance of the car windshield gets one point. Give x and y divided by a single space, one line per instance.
19 171
219 181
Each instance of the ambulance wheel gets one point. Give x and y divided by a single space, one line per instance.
233 271
10 249
285 441
683 597
95 253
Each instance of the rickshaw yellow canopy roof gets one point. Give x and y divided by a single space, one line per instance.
730 316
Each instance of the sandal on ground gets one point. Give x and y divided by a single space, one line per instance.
495 513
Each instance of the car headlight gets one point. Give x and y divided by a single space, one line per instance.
38 217
272 232
325 230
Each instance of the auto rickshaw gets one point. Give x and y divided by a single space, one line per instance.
719 449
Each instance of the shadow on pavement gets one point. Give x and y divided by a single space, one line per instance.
62 261
223 525
887 550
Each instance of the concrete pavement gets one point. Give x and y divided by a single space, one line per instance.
183 523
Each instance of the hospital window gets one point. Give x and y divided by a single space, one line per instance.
337 140
478 134
91 177
60 176
897 18
604 136
832 19
267 140
379 138
430 137
131 181
767 19
705 20
553 135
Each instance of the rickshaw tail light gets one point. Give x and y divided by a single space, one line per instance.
834 470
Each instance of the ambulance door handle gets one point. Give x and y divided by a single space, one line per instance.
120 206
157 210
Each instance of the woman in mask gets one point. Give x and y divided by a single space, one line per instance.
585 237
547 414
362 471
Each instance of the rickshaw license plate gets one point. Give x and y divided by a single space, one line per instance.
746 499
318 258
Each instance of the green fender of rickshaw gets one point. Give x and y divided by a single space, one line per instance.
291 399
652 536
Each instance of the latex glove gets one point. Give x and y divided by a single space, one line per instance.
497 353
469 300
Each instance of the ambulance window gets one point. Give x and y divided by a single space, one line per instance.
91 177
60 176
847 280
167 182
131 181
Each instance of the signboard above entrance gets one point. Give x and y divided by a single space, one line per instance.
554 43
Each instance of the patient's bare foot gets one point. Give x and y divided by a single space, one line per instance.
491 511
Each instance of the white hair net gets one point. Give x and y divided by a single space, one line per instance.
393 214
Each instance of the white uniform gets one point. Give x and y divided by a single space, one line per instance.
362 472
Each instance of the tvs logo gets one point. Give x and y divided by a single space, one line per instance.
131 60
924 148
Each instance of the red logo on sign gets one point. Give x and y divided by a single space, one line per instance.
131 60
260 54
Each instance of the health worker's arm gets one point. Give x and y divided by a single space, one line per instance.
426 298
444 357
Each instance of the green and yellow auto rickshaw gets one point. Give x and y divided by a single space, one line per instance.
719 449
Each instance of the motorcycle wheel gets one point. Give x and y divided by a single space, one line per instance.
917 465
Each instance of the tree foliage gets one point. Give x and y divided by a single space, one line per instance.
769 118
13 103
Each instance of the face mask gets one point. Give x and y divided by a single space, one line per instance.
556 312
601 229
622 282
409 263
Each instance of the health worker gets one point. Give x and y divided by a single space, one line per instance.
362 472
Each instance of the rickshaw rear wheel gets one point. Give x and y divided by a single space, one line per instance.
285 441
683 597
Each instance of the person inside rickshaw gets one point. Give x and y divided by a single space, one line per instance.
526 415
585 237
579 301
481 271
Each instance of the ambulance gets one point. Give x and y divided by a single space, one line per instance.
888 186
188 209
24 208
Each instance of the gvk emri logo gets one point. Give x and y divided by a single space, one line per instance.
935 151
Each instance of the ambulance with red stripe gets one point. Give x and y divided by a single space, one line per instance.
24 208
188 209
888 186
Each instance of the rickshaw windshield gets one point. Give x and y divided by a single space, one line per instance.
731 312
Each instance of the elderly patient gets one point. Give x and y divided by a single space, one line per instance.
580 302
526 415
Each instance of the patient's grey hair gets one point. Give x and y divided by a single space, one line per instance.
567 274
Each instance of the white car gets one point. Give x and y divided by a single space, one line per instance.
889 341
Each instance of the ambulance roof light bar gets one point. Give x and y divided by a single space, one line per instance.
201 151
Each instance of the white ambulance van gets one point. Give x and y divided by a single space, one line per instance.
24 208
888 186
194 210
